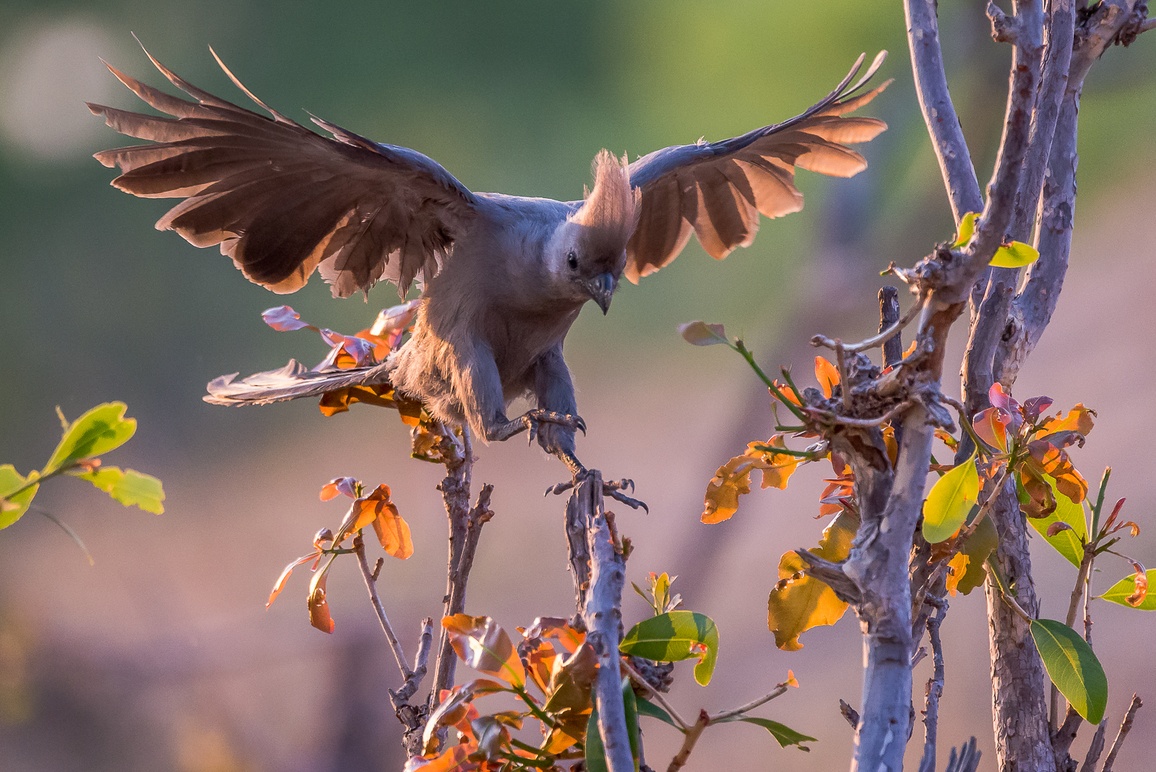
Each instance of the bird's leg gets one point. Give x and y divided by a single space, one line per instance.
528 422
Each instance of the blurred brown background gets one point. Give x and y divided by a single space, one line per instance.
162 656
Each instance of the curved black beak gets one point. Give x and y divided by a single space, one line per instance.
601 288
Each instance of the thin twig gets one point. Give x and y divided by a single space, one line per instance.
1095 748
779 691
371 585
1078 591
934 687
863 423
688 741
875 340
1125 727
420 663
455 489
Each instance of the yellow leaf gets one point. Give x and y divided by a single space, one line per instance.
1014 255
730 480
966 229
799 602
949 501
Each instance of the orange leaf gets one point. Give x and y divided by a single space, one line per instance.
730 481
827 375
777 467
338 486
284 577
482 644
319 615
392 530
991 427
1078 419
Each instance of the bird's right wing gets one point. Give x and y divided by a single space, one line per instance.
718 189
282 200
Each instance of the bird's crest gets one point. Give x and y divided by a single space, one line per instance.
610 211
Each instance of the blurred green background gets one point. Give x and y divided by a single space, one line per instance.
162 657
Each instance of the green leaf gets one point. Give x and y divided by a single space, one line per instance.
1073 668
949 501
98 431
128 486
674 636
782 733
630 706
13 506
648 708
595 751
1070 541
966 229
703 334
1119 592
1014 255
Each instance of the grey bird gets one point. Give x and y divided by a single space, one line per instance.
502 277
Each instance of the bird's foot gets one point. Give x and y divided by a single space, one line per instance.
612 488
531 418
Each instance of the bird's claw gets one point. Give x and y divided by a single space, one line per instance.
532 417
613 489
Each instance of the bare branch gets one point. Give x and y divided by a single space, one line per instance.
688 742
602 614
934 687
371 585
891 332
1095 748
1125 727
938 109
779 691
889 317
832 575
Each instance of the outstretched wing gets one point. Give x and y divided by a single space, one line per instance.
718 189
282 200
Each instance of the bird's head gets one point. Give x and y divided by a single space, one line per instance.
587 253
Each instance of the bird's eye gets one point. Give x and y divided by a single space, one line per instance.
572 260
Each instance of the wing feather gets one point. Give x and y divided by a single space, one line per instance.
281 200
716 188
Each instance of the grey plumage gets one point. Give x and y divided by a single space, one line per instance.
503 277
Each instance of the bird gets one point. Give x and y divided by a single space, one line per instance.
502 277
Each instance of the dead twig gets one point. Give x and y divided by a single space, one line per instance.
1125 727
934 686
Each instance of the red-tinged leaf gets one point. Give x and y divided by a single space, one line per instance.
482 644
1140 585
571 682
556 629
284 577
1115 514
703 334
827 375
1033 408
1002 399
1056 528
1055 462
1079 419
319 615
285 319
1126 591
339 486
990 425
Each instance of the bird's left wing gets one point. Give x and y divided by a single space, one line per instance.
282 200
718 189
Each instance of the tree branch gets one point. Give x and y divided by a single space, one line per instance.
934 687
602 614
938 110
1125 727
